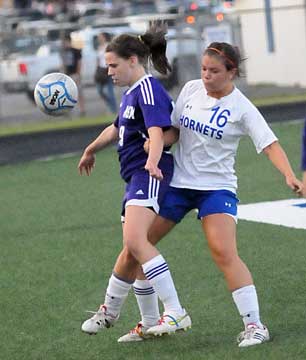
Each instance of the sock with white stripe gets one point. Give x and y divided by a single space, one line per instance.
246 301
157 272
116 293
147 301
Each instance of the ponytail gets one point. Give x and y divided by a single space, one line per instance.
151 46
155 39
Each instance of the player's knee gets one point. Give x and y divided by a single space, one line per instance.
127 257
223 258
133 246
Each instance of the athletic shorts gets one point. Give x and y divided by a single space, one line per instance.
178 202
144 190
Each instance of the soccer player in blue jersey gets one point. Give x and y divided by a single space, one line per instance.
210 117
145 112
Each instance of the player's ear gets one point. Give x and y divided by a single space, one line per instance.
133 60
233 73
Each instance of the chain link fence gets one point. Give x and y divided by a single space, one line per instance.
187 39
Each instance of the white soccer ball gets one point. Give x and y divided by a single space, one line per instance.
56 94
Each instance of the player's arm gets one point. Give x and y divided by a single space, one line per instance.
171 136
108 136
279 159
155 151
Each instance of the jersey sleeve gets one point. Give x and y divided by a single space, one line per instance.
258 129
179 106
155 104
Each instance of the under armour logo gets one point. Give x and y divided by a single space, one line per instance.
139 192
227 204
188 106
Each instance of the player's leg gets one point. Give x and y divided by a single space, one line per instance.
115 296
141 208
146 297
122 278
117 289
137 223
220 232
173 208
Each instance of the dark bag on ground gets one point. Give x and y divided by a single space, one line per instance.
101 75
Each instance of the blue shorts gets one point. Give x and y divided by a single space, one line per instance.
178 202
144 190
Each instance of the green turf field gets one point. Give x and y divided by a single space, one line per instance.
60 234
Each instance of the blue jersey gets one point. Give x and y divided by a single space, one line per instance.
145 104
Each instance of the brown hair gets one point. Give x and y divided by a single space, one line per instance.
151 46
229 54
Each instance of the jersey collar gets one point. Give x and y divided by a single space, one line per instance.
137 83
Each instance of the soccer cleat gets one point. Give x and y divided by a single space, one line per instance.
101 319
139 333
169 324
253 335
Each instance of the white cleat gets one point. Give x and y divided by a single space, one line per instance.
101 319
169 324
139 333
253 335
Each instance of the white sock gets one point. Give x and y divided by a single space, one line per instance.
157 272
116 293
147 300
246 301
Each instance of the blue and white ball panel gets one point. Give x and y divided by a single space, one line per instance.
290 213
56 94
178 202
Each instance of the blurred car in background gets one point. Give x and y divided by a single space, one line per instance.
41 54
168 6
19 70
10 18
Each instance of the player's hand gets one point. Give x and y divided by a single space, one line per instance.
154 170
296 185
87 163
146 146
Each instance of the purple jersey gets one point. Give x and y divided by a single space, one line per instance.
145 104
304 148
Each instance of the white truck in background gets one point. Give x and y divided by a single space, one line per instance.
23 71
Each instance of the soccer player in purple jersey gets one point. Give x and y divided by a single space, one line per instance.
144 114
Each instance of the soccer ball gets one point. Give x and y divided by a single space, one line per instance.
56 94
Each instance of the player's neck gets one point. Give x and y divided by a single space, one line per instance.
138 74
221 93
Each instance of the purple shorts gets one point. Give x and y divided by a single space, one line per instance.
144 190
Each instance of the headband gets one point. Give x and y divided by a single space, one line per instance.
221 53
